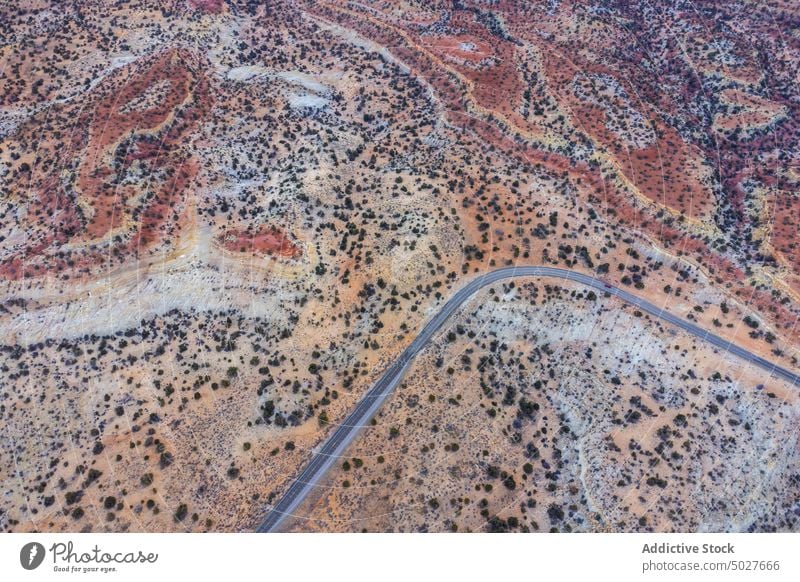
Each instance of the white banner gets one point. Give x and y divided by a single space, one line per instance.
375 557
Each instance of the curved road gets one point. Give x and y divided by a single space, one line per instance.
343 435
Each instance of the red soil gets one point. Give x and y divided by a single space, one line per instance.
464 48
661 171
265 241
107 139
785 208
110 123
209 6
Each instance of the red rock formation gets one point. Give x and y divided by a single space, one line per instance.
143 115
267 240
209 6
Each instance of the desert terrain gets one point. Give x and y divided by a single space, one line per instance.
221 220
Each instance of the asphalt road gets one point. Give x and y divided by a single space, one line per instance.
327 454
